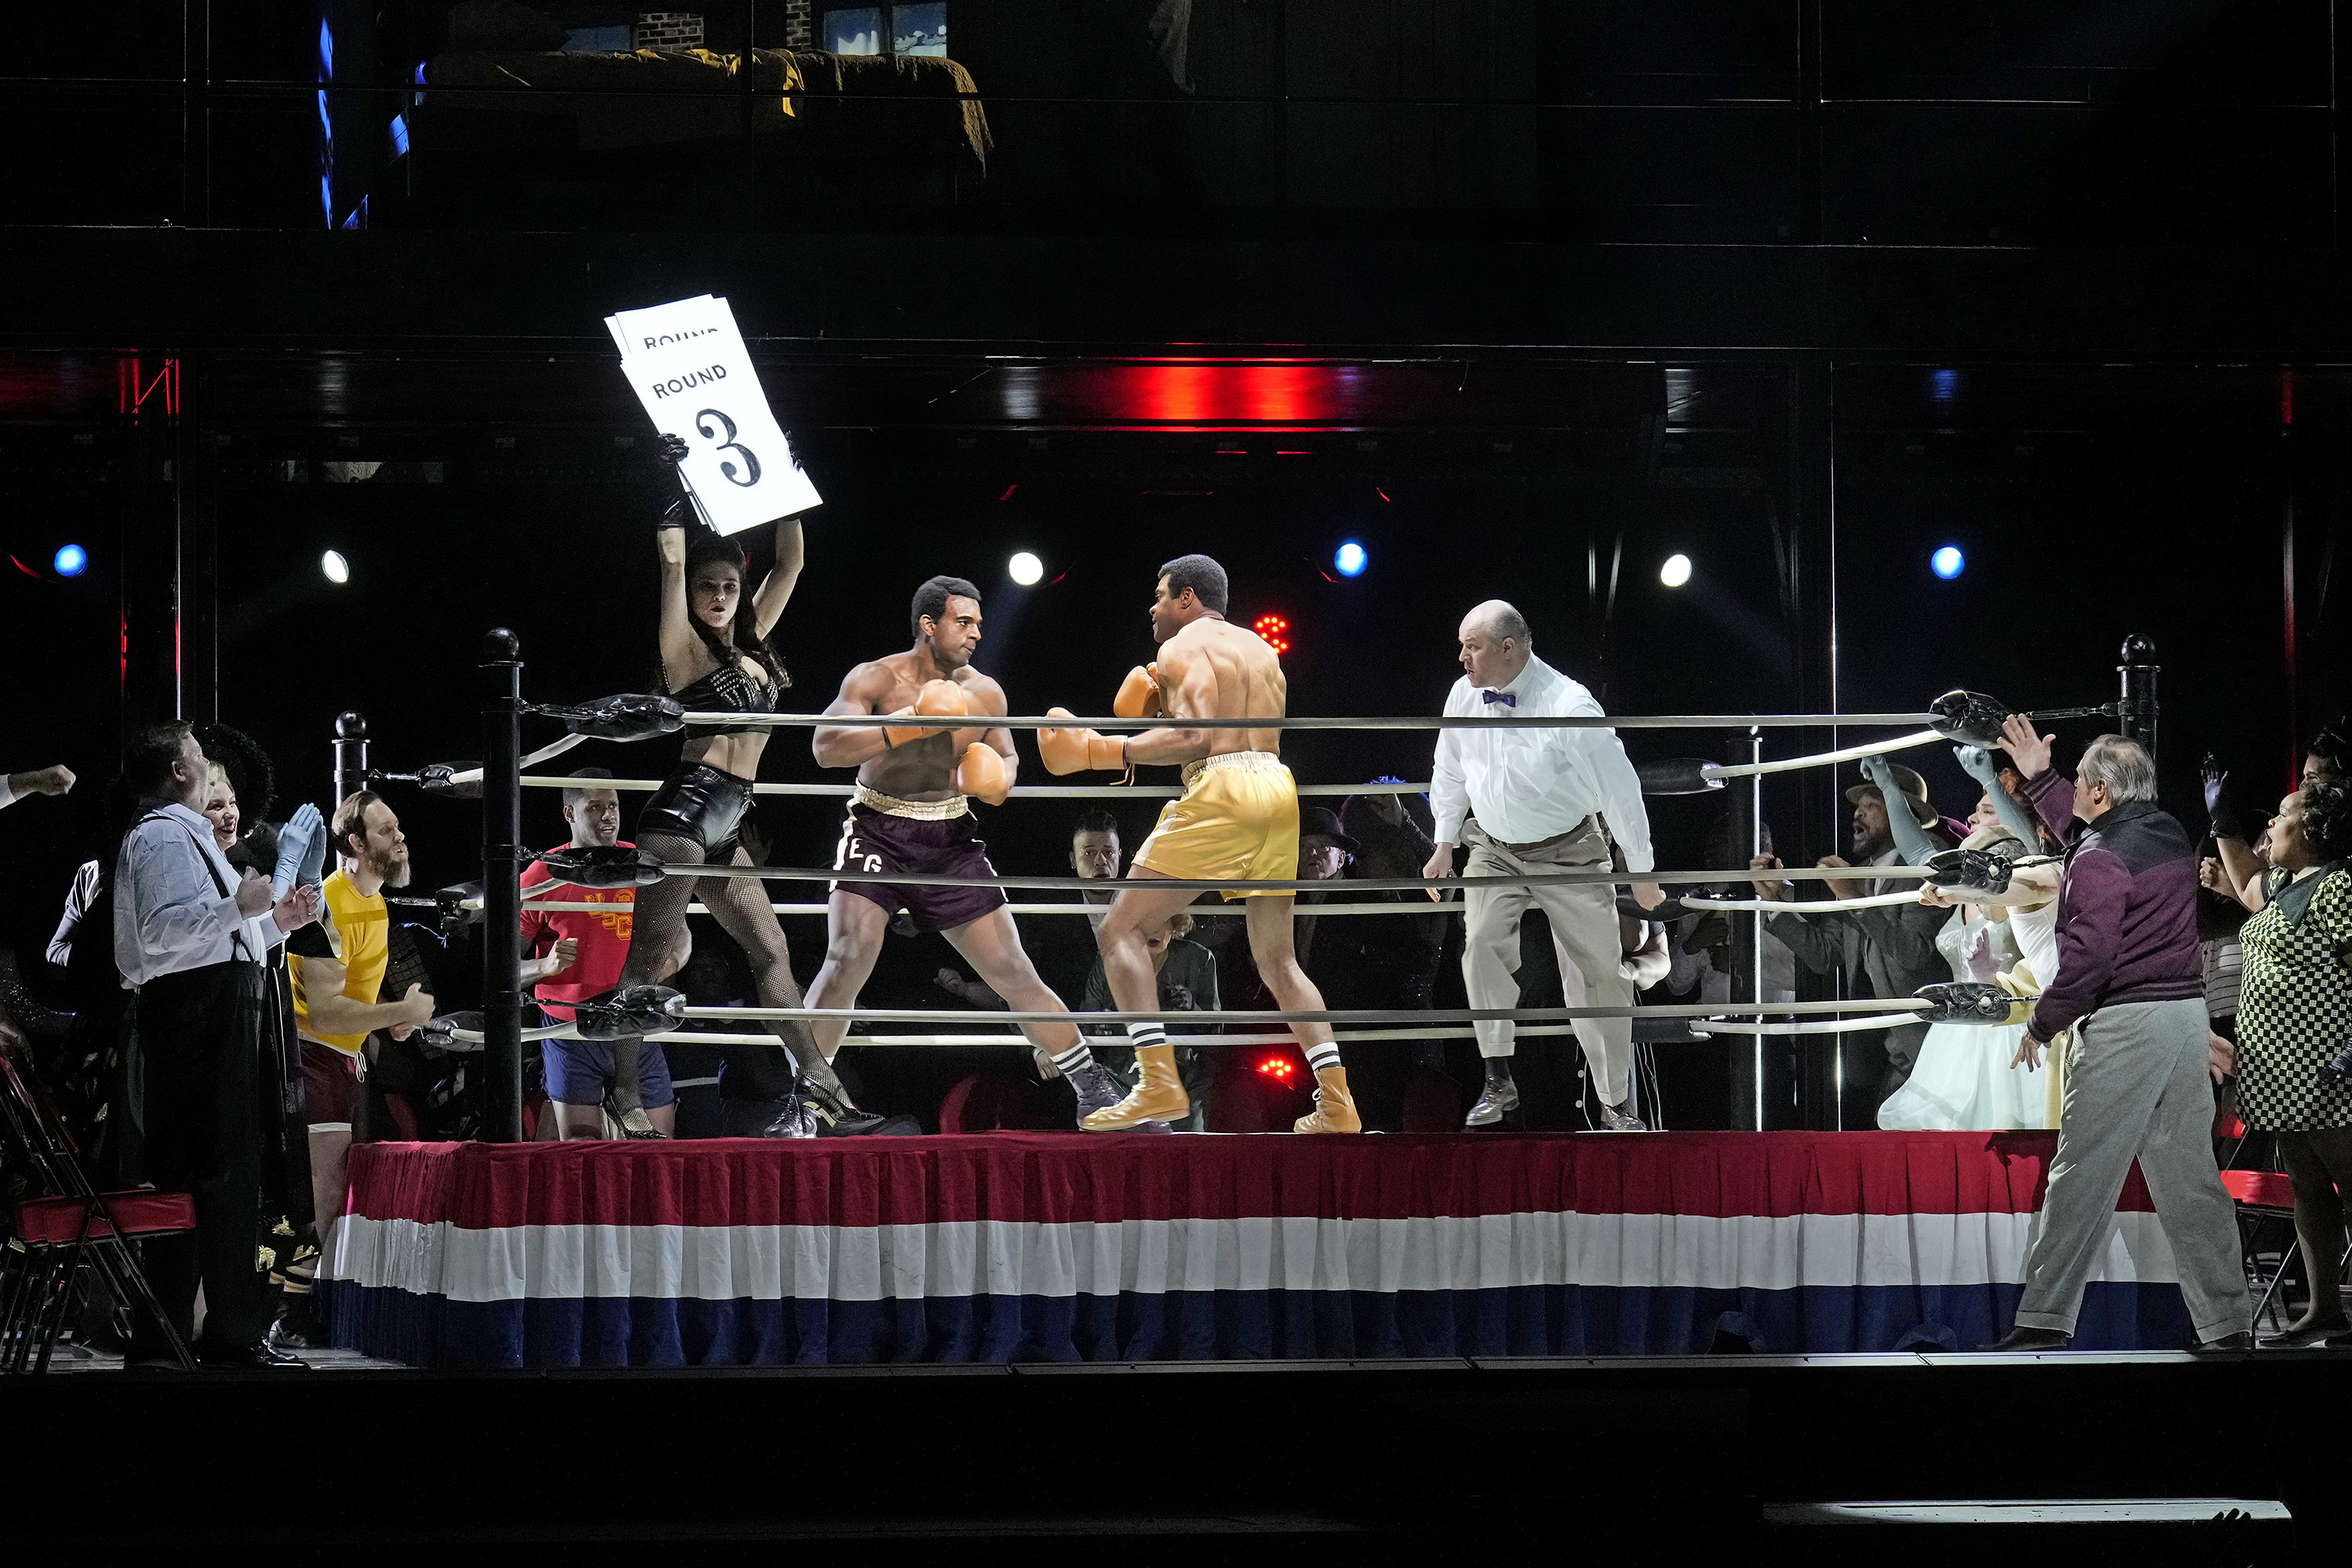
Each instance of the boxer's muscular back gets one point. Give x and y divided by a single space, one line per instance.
1245 678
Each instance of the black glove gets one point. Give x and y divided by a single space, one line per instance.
2221 811
672 449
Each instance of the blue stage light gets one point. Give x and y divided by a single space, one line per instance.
71 560
1351 560
1948 562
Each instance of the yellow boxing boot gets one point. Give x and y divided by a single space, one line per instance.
1157 1096
1335 1107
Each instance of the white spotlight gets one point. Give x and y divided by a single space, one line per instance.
1025 569
337 569
1675 572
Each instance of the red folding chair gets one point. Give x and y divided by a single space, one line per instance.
52 1237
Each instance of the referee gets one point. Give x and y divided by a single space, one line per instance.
191 935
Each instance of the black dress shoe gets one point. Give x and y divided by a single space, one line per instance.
2241 1340
2024 1339
247 1358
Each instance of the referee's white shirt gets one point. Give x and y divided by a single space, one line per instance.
1528 785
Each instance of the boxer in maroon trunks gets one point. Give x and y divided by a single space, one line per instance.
912 813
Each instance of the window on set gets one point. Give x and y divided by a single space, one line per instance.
917 29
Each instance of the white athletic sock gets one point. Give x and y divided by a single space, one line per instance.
1077 1058
1323 1056
1147 1035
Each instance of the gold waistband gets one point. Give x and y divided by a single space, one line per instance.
920 810
1248 761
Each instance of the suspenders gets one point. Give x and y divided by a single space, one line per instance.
236 937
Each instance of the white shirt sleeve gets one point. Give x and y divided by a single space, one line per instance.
1620 795
78 898
1449 791
7 793
174 905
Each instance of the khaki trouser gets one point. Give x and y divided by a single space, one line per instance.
1583 929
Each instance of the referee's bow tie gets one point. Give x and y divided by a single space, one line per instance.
1506 699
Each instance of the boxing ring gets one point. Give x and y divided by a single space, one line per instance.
1065 1247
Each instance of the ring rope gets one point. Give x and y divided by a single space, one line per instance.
1289 885
1531 721
1810 907
1327 1015
1038 792
553 749
1433 907
721 1037
1812 1027
1819 759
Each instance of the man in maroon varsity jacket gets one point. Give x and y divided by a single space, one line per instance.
2136 1081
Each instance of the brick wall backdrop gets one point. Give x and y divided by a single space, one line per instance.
669 30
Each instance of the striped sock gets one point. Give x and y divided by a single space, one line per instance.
1077 1058
1139 1035
1322 1057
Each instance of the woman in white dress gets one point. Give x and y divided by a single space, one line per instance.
1965 1080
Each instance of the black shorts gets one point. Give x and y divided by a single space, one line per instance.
876 841
700 803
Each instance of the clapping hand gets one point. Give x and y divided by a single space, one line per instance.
2028 751
561 957
1776 890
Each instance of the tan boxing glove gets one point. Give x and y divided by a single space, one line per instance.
1138 694
1077 751
938 699
982 775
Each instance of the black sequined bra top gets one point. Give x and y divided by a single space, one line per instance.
725 689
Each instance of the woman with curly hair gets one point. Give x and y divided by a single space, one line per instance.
2293 1016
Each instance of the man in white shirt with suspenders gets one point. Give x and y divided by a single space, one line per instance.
190 935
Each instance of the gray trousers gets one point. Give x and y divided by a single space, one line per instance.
2137 1087
1583 930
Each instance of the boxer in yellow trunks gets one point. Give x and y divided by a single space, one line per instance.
1237 821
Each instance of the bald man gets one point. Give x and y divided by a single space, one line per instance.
1536 803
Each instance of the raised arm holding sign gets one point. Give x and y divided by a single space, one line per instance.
687 364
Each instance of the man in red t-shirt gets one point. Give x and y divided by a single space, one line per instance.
579 1072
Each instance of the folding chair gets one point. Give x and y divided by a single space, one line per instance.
53 1235
2270 1195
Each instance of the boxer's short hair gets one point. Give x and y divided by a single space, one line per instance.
1202 575
931 599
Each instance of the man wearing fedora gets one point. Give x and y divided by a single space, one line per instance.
1893 947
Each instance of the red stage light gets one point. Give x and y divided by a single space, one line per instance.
1274 630
1280 1069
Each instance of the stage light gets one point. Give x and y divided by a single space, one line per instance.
1676 571
1282 1070
1025 569
71 560
1351 560
1274 630
1947 563
337 569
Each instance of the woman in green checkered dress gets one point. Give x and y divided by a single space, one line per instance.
2296 1014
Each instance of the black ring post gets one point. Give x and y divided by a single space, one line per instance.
502 997
350 757
2137 711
